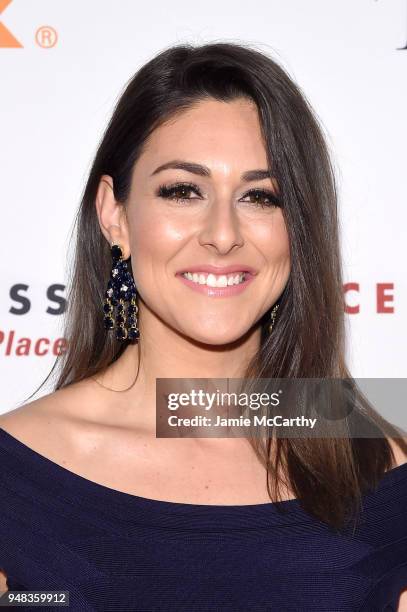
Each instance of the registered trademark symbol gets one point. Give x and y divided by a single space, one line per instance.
46 37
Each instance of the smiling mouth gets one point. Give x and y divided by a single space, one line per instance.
216 280
217 286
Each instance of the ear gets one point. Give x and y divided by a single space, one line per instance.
112 216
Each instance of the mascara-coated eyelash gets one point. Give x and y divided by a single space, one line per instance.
168 191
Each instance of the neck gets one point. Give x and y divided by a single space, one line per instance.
163 352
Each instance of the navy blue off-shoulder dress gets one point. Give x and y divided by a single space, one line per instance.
118 552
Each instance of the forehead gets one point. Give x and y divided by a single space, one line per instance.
210 132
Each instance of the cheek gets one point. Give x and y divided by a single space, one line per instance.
155 240
273 240
282 244
281 255
151 224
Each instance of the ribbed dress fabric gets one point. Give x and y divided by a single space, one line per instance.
118 552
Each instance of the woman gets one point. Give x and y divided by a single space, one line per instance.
213 161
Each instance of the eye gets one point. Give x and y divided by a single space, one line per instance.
178 191
260 194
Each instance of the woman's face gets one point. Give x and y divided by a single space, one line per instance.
220 220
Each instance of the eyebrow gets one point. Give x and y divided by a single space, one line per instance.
199 169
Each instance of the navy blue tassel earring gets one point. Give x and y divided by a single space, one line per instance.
121 290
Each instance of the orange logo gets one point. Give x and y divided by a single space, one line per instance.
6 37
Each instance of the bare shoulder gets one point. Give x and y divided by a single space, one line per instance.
53 426
51 423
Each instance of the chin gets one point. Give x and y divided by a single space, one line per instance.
214 338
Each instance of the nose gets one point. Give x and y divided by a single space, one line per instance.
221 228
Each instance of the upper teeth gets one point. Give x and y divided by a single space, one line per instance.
212 280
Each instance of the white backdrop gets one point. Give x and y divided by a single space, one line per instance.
57 92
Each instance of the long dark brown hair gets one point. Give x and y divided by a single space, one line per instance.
308 339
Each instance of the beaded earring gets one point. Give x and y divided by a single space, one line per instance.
121 289
273 317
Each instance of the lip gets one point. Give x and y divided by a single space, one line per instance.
228 291
219 269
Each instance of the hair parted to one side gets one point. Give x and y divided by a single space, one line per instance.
308 339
